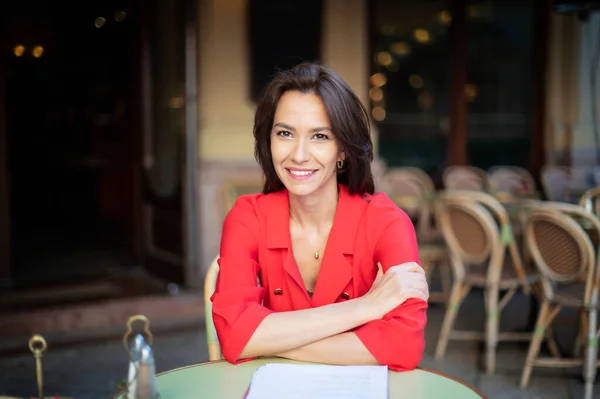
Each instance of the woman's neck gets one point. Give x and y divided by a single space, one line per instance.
314 212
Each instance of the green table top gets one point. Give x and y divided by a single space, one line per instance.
223 380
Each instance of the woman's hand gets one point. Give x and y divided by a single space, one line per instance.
392 288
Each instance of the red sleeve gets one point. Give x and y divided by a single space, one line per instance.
237 301
398 339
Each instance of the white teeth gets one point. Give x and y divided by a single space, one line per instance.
301 172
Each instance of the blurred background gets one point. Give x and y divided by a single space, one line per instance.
126 131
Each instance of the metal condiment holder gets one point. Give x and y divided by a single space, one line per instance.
37 346
140 383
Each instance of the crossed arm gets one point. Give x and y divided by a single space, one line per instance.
385 326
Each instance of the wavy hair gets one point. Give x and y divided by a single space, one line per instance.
348 117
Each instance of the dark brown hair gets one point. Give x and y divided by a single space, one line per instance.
348 118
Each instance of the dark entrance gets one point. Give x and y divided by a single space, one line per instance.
96 104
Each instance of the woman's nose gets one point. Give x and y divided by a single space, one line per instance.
301 152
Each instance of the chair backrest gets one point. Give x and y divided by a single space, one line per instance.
561 249
512 180
590 201
408 187
465 178
555 182
477 230
210 285
412 190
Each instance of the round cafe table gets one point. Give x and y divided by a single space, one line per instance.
223 380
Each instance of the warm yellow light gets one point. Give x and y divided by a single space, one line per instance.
376 94
415 81
445 17
392 67
99 22
38 51
19 50
422 35
378 113
425 100
471 91
384 58
120 16
176 102
378 79
400 48
474 11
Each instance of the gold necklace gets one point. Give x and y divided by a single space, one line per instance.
317 255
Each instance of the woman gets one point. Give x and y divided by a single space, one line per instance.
337 264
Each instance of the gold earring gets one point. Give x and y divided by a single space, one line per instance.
340 164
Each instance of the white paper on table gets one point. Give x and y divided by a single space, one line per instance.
300 381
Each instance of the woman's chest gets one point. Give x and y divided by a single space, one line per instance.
339 277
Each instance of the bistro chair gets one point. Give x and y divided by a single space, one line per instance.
483 253
413 190
511 182
566 258
590 201
555 182
465 178
210 285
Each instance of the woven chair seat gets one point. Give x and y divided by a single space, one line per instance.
477 276
570 295
432 251
431 237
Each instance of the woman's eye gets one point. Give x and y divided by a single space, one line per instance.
321 136
284 133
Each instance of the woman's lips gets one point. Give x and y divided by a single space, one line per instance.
301 174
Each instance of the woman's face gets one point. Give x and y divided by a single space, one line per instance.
303 147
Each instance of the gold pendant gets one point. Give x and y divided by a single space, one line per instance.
316 255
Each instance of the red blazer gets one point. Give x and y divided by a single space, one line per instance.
256 243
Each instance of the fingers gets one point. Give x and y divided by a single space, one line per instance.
417 294
409 267
420 286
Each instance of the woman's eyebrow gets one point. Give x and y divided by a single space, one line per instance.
313 130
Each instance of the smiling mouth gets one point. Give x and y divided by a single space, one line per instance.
301 173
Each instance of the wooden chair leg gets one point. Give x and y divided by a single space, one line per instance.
591 353
536 290
551 342
491 328
545 317
581 334
444 268
459 291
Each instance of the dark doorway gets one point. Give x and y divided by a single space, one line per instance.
70 95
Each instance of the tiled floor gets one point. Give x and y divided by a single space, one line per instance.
91 371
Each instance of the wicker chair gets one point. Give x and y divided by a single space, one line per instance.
511 182
210 284
478 234
566 259
590 201
413 190
555 182
465 178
